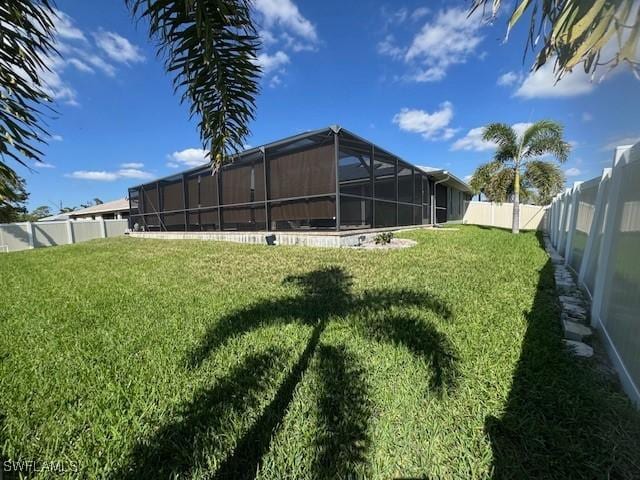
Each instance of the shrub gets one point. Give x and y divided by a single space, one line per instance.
383 238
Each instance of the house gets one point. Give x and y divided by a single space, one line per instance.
113 210
327 179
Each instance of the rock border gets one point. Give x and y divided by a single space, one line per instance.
395 243
575 307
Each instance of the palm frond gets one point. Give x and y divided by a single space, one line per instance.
576 32
539 128
544 137
26 40
500 133
500 186
482 176
210 48
546 178
506 154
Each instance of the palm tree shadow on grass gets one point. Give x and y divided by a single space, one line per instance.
324 295
562 419
344 410
180 447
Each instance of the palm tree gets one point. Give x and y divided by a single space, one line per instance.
574 32
539 182
517 168
210 49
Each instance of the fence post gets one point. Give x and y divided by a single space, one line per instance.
552 219
563 221
552 224
69 231
598 211
602 272
575 196
556 222
30 234
103 228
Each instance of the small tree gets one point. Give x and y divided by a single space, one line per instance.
13 197
539 182
516 166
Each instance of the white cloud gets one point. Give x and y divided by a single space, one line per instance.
65 28
572 172
632 140
401 15
285 13
473 140
432 126
76 51
389 48
282 29
57 138
419 12
448 39
107 176
542 83
508 79
587 117
272 63
80 65
101 176
133 173
117 47
101 64
39 164
132 165
189 157
275 81
53 84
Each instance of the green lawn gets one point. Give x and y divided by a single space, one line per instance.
133 358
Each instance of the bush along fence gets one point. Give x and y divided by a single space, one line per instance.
595 226
22 236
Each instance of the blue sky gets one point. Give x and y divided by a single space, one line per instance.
414 77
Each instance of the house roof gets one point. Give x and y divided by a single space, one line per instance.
447 178
450 179
51 218
119 205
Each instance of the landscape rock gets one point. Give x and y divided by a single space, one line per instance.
575 331
579 349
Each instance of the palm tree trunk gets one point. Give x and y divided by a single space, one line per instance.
515 225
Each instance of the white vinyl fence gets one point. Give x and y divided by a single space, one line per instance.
22 236
532 217
595 226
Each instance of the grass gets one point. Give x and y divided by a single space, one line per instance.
131 358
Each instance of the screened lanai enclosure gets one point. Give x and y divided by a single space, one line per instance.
328 179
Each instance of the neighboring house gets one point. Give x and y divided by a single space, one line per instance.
113 210
328 179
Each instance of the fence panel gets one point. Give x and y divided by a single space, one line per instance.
48 234
602 240
585 209
114 228
22 236
491 214
85 230
14 236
